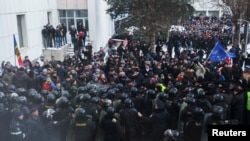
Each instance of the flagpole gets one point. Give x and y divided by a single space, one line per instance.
14 51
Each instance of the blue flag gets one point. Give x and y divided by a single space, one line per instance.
218 53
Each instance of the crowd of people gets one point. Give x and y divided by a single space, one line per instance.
128 93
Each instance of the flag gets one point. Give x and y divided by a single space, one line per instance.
218 53
17 52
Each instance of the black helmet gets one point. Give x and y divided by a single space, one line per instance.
95 100
198 113
82 89
32 93
190 100
172 92
86 97
110 110
38 98
178 84
11 88
21 99
66 94
218 111
120 86
111 94
56 93
218 97
133 90
123 96
73 90
21 91
51 98
93 92
62 102
78 99
162 96
200 92
128 103
150 92
80 113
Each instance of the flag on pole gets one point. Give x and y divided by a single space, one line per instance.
219 53
17 53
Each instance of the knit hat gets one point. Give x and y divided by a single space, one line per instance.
17 113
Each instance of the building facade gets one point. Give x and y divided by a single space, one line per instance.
26 18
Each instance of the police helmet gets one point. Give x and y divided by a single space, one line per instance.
128 103
120 86
80 113
85 97
162 96
21 99
123 96
82 89
200 92
56 93
95 100
51 98
190 100
38 98
218 97
150 92
11 88
172 92
178 84
13 96
111 93
21 91
93 92
62 102
111 110
66 94
73 90
198 113
218 111
133 90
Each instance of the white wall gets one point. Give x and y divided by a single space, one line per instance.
35 12
101 27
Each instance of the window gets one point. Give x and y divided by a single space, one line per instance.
81 13
22 33
49 17
70 13
62 13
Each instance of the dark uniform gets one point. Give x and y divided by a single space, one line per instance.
111 126
17 127
83 127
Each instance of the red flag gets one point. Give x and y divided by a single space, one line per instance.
17 53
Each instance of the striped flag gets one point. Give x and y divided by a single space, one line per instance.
17 52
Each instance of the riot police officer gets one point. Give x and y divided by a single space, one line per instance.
83 127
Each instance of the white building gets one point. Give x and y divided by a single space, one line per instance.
25 19
208 7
